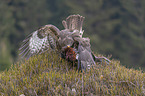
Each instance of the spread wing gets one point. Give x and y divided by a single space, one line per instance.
74 23
40 41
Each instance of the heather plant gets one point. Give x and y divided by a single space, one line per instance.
48 74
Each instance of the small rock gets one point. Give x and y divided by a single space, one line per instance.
22 95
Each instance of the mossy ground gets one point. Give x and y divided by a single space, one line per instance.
47 74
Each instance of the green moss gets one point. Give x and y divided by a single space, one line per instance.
47 74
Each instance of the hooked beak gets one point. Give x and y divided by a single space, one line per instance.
63 48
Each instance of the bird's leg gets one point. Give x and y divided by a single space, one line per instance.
100 59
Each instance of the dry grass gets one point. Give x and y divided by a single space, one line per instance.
47 74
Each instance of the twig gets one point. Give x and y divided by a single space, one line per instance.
83 83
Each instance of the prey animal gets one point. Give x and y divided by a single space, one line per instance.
70 43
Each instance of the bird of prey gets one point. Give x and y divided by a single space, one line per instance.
69 42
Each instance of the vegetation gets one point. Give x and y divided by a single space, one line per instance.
47 74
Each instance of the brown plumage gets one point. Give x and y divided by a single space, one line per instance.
70 54
69 42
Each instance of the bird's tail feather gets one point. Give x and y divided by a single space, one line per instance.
73 22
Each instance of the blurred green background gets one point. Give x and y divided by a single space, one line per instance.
115 27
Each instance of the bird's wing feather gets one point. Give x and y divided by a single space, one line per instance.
73 23
39 41
85 59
